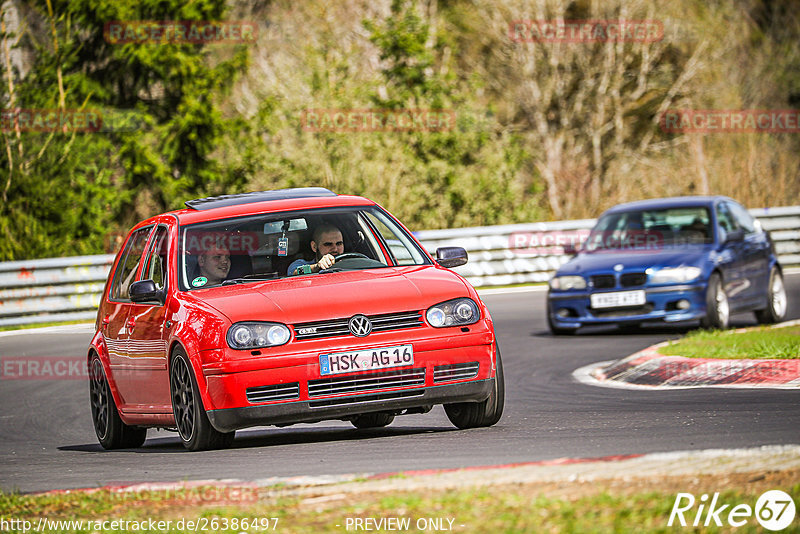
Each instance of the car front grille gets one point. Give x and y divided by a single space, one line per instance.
366 399
339 327
603 281
624 312
275 392
458 371
632 279
368 382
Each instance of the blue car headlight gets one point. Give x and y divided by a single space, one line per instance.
456 312
673 275
565 283
256 335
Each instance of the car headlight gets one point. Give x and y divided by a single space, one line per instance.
672 275
454 312
565 283
256 335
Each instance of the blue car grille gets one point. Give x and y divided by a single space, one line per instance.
603 281
623 312
632 279
609 281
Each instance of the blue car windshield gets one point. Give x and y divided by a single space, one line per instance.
651 229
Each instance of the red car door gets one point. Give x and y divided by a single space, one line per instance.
148 336
114 322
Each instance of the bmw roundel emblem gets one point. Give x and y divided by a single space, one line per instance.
360 325
618 267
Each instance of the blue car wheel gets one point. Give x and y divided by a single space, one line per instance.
717 307
775 310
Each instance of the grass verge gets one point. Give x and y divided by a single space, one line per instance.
761 343
614 505
43 325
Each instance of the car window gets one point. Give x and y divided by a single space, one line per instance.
157 258
742 217
651 228
727 223
265 246
129 264
400 247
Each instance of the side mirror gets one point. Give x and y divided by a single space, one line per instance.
571 249
451 256
145 291
735 236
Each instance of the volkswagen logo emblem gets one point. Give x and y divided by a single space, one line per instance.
360 325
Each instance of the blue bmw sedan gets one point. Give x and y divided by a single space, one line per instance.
667 261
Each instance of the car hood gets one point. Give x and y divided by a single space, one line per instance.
335 295
634 261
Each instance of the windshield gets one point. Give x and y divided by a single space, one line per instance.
651 229
271 246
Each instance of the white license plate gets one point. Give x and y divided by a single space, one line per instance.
366 359
618 299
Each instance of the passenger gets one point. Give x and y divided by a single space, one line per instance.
699 226
214 264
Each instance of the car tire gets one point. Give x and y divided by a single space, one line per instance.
479 414
372 420
717 306
111 431
776 307
191 419
557 330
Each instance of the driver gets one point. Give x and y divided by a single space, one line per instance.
327 243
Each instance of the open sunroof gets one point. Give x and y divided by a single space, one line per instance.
258 196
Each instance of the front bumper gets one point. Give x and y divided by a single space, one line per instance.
230 419
660 307
287 387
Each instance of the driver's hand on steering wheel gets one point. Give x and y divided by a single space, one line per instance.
326 262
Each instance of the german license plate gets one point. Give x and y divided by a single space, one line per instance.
366 359
618 299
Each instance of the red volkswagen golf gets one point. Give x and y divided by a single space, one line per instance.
282 307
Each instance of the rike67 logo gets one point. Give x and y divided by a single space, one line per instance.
774 510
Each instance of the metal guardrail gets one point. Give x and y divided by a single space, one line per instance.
53 289
494 261
69 289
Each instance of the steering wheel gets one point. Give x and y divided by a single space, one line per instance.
351 255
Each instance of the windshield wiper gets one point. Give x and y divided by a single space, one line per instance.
261 277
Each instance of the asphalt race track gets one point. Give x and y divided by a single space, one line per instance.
47 440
